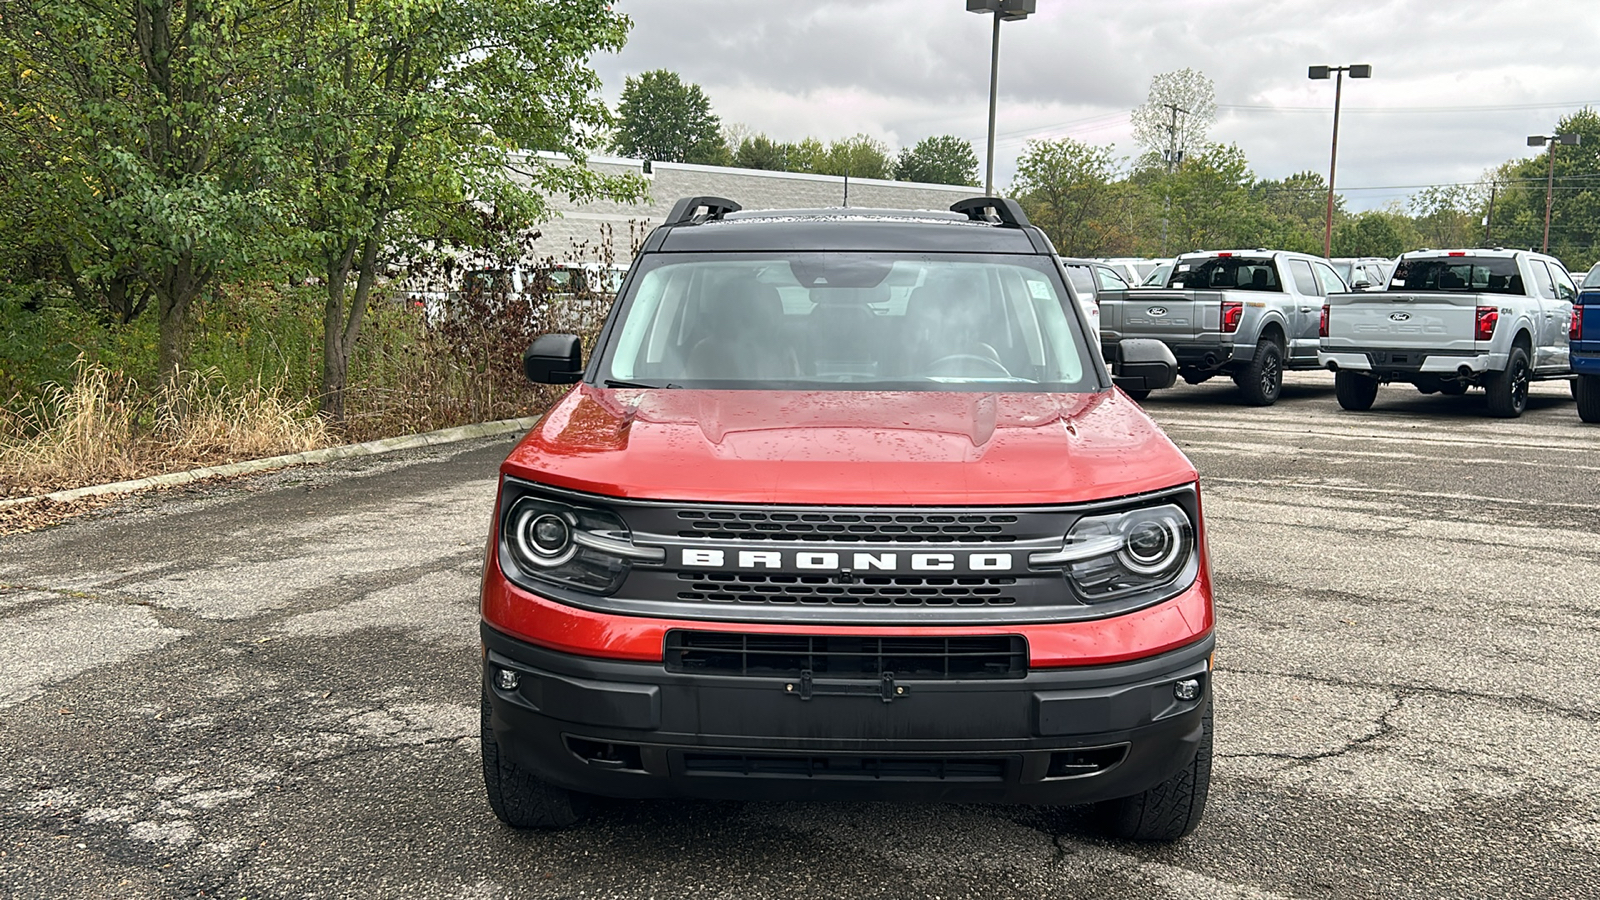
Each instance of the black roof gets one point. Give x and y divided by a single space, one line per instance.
980 225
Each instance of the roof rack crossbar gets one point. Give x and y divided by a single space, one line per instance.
1003 210
687 210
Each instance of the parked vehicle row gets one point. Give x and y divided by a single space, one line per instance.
1442 320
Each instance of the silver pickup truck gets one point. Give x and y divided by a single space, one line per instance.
1450 320
1249 314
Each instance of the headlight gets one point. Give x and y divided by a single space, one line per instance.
573 546
1145 551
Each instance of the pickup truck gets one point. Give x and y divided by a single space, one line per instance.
845 505
1584 337
1450 320
1249 314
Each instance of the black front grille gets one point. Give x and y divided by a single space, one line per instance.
825 590
866 527
842 656
881 768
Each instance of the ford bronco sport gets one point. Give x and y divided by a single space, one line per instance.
845 505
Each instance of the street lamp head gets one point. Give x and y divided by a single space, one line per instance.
1361 71
1318 73
1537 140
1568 139
1008 10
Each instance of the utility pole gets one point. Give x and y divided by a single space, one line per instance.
1488 217
1174 158
1550 140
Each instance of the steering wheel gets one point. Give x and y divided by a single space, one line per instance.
993 366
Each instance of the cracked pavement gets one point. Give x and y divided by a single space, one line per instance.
268 688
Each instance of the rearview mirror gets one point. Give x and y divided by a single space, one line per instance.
1144 365
554 359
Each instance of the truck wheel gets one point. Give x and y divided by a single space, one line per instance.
1171 809
1587 389
1508 388
520 798
1356 392
1261 381
1572 385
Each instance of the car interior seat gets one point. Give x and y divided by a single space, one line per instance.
745 338
947 317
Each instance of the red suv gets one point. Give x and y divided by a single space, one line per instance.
846 505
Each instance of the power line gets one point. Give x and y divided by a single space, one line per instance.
1503 107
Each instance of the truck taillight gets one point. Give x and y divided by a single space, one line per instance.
1232 312
1322 329
1488 317
1575 330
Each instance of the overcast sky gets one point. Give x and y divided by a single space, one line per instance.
1457 86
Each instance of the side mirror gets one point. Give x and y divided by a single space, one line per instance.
554 359
1144 365
1360 284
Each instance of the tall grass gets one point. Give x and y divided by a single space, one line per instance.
102 427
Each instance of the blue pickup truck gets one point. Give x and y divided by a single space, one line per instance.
1585 340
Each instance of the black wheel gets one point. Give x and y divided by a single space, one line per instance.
1452 388
1572 385
1355 391
1508 388
1586 388
1137 395
520 798
1171 809
1261 381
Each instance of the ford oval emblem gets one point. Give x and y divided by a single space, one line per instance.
1399 317
1157 310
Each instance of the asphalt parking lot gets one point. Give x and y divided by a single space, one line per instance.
268 688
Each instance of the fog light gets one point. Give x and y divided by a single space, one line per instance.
506 680
1187 689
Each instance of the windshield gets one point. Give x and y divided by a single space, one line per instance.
1228 273
1343 268
1592 280
1157 276
848 321
1474 274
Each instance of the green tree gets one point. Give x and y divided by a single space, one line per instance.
1068 188
1449 215
944 159
155 130
1211 207
806 155
859 157
1518 219
761 152
1374 233
1163 131
660 117
404 119
1293 212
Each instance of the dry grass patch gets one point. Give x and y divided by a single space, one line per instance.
102 429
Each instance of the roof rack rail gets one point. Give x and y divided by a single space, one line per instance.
991 209
687 210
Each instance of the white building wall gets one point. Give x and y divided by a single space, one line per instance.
580 224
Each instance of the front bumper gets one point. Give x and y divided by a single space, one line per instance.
636 730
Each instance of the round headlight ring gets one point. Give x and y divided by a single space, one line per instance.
544 538
1153 546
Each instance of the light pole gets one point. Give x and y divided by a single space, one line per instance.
1321 73
1004 11
1540 140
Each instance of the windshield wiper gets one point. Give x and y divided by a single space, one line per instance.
613 383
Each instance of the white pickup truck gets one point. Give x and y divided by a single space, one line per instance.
1453 319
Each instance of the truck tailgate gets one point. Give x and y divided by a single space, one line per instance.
1403 319
1161 314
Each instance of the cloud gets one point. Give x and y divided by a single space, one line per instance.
901 70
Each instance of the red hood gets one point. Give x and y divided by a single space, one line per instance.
849 447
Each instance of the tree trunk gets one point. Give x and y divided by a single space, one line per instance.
341 325
176 290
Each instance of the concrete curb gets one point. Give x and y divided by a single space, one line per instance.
327 454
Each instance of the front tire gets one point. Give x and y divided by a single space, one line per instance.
1508 388
520 798
1356 392
1586 389
1173 808
1261 381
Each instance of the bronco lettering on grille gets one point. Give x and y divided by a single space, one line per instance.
831 561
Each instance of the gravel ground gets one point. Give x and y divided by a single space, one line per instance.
268 688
